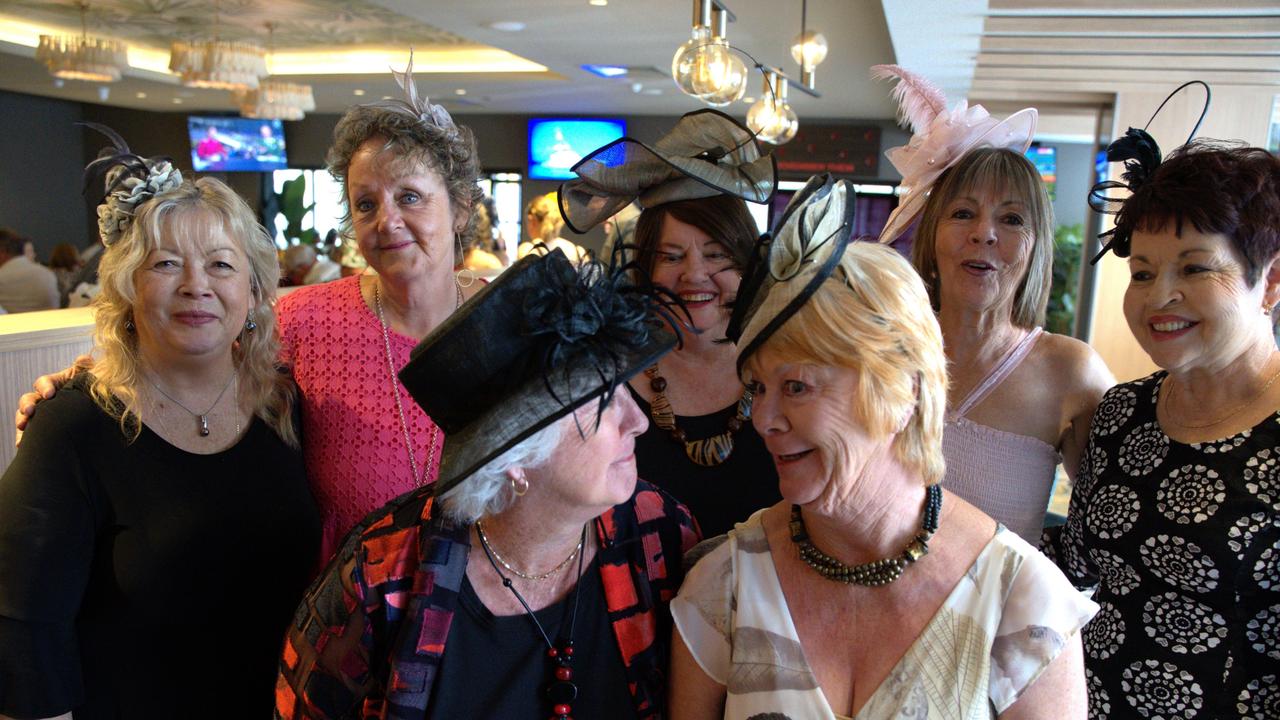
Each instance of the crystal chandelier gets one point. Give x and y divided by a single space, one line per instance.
218 64
276 100
81 57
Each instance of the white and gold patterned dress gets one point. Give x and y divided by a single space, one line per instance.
1003 623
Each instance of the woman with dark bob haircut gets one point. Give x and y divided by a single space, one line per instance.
692 240
1175 516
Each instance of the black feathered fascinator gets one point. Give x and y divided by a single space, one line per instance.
130 180
1141 156
543 339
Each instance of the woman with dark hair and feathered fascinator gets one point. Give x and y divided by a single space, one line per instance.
1175 516
1020 398
156 527
532 579
692 239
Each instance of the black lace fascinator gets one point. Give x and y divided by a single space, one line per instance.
130 180
1141 156
543 339
788 265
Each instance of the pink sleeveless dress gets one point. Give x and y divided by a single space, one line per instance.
1006 475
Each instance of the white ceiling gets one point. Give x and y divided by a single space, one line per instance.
1067 57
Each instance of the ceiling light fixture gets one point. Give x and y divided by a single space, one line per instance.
275 99
705 66
511 26
218 64
771 117
606 71
358 92
809 48
80 57
598 3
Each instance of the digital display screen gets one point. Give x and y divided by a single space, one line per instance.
232 144
557 144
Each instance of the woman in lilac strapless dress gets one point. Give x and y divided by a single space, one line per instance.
1021 399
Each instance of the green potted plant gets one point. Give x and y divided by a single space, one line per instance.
1061 314
290 200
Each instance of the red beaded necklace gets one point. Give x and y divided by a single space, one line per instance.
560 690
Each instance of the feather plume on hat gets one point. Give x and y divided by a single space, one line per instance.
940 138
919 101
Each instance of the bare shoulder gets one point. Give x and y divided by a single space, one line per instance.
1074 365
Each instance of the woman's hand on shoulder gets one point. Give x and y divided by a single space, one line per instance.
1084 378
44 388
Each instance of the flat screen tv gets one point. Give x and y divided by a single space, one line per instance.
557 144
1046 161
232 144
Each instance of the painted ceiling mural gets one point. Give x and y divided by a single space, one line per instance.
298 24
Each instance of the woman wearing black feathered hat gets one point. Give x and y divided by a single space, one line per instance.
532 579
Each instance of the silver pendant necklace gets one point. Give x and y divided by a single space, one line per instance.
203 417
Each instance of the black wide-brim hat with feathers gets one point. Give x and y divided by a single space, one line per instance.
543 339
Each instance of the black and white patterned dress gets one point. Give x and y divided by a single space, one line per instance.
1183 543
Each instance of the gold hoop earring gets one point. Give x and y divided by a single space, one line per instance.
519 484
469 274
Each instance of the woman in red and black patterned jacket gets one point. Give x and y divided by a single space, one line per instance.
532 579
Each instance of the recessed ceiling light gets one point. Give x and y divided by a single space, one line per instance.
177 101
460 91
506 26
598 3
59 82
358 92
748 100
606 71
140 95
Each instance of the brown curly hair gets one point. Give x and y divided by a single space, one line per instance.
1222 188
450 151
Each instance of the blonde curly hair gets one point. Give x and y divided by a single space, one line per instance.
118 370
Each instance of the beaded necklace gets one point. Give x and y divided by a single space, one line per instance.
418 480
560 690
876 572
707 452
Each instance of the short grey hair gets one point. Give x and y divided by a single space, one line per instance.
488 491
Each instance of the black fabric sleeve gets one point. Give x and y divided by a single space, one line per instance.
46 550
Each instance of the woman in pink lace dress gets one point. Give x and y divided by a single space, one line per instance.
408 174
1021 399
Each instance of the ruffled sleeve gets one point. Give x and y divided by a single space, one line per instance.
1042 613
703 609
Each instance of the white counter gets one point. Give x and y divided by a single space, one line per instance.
33 344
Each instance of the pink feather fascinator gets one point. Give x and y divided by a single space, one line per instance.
940 138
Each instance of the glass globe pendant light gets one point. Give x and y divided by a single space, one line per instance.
725 78
762 117
809 48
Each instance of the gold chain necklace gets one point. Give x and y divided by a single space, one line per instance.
493 554
707 452
1173 388
418 480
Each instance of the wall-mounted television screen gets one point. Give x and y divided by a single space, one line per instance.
232 144
1046 161
557 144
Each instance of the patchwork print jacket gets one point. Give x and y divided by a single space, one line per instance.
368 639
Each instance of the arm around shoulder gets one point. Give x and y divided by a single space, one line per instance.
692 695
